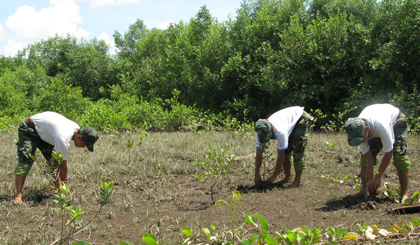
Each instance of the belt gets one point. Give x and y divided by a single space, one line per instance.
29 123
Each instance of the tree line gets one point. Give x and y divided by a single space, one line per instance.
330 56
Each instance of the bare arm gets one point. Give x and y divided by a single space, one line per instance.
279 166
62 174
376 181
258 161
385 162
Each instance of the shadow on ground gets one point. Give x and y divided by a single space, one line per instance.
260 187
362 203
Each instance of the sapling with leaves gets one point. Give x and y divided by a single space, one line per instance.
62 198
214 166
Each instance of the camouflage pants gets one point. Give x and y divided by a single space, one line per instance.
401 161
298 140
29 141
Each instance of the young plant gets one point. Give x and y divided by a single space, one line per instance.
413 198
334 234
263 235
331 144
231 204
215 166
302 235
106 191
63 200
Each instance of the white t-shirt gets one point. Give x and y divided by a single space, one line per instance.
283 123
55 129
381 120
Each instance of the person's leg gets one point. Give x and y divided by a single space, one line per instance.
26 146
403 177
298 142
19 182
287 167
401 160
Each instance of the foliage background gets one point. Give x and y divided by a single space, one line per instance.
331 56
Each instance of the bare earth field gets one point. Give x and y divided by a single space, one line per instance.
157 193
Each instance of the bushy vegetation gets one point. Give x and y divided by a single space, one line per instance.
326 55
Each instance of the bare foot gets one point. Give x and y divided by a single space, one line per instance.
405 196
294 184
358 194
285 180
18 200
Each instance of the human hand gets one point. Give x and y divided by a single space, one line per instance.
374 184
272 179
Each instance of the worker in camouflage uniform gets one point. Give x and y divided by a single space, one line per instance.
290 127
48 131
380 126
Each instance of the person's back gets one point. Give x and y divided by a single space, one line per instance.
55 129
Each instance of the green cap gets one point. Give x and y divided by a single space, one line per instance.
90 136
263 128
354 128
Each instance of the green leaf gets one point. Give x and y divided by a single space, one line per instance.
331 231
307 231
250 220
244 242
291 236
125 243
416 194
409 200
341 232
270 240
415 222
207 232
263 222
186 230
263 233
81 243
237 195
149 239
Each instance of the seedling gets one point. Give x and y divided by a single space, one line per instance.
215 166
75 222
334 234
231 204
106 191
